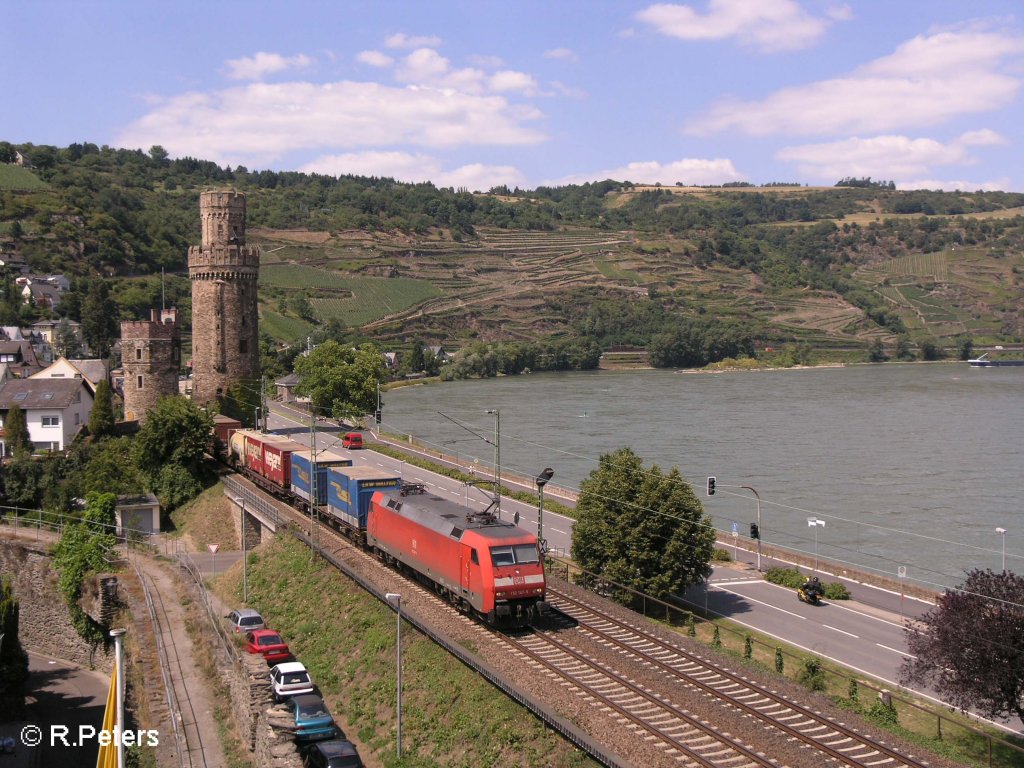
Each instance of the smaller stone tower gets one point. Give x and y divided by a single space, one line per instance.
224 272
151 357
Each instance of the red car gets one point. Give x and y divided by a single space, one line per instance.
269 644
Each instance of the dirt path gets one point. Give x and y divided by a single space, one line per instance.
196 733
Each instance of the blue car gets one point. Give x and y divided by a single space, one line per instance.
313 721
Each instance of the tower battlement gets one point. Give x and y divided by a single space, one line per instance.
224 272
151 357
222 213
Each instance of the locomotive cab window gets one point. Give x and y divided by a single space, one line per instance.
474 558
519 553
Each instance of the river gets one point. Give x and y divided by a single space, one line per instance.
909 466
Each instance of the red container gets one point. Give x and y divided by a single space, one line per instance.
270 456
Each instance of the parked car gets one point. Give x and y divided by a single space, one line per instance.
334 753
245 619
289 679
313 721
268 643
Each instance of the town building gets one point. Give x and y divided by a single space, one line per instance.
55 410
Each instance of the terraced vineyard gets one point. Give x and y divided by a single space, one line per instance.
515 285
939 292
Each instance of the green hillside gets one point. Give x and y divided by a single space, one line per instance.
833 269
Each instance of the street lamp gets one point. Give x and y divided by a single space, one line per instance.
1002 532
542 480
396 600
815 523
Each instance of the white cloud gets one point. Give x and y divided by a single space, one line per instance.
769 25
689 171
402 40
258 124
426 66
375 59
996 185
926 81
403 166
887 157
257 66
509 80
566 54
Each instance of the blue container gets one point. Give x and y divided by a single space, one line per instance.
302 470
349 490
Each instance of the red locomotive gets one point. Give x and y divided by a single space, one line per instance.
482 565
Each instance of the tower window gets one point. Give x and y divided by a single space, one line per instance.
138 382
138 353
243 346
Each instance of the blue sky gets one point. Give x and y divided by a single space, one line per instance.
474 94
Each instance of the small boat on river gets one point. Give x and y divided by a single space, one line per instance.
983 361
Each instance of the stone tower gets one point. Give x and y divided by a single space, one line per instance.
151 357
224 272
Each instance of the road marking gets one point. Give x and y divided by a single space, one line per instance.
760 602
895 650
843 631
739 581
862 614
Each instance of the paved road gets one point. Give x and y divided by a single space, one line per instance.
65 695
865 634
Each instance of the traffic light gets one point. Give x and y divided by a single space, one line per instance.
755 533
711 486
377 415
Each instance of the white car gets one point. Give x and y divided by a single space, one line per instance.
290 679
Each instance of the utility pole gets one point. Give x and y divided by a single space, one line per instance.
497 459
314 532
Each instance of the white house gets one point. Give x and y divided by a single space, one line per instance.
55 410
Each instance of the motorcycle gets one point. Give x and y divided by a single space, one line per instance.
809 594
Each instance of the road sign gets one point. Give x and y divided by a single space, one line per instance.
735 528
213 548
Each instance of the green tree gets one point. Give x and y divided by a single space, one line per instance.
16 435
111 466
100 318
970 645
929 349
101 418
65 341
176 431
904 350
641 528
876 352
341 380
964 347
13 659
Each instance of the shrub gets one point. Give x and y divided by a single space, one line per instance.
721 555
812 675
787 577
884 714
836 591
748 647
780 661
716 639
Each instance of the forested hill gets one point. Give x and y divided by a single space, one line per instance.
613 262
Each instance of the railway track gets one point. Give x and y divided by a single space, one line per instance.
189 740
651 714
682 736
834 740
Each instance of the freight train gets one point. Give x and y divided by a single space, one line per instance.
482 565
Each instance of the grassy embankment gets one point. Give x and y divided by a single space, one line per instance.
450 716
